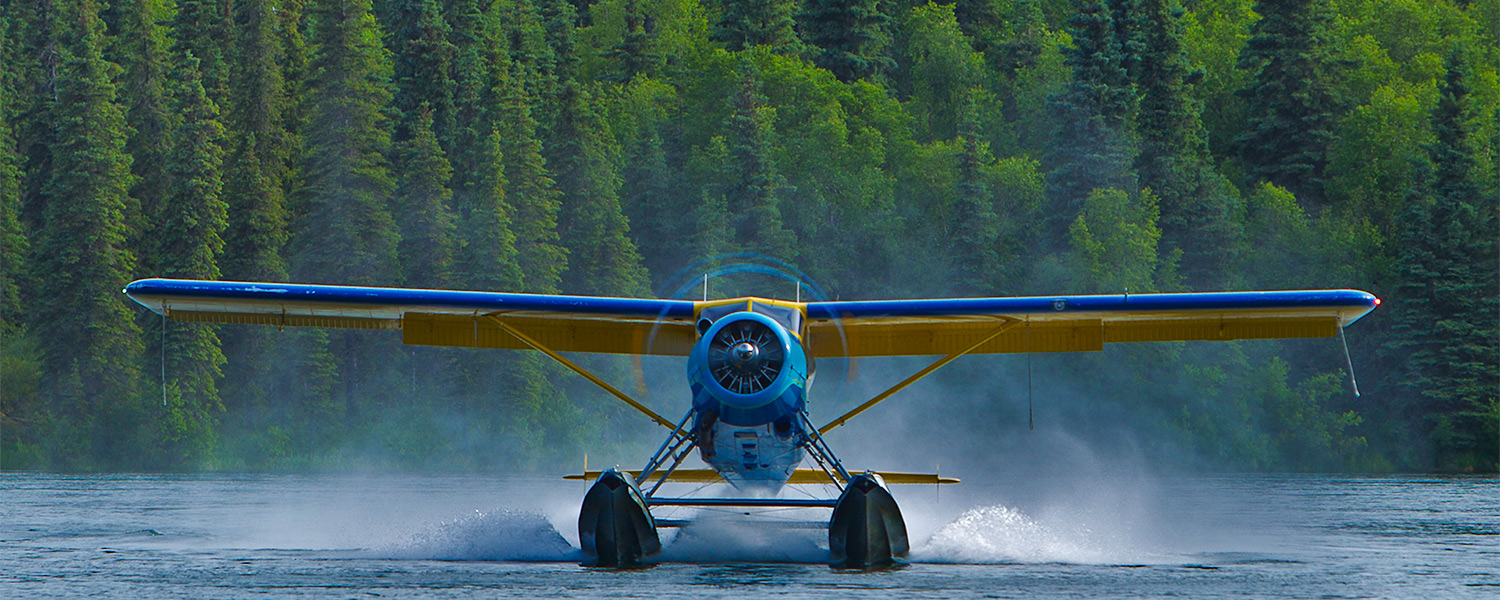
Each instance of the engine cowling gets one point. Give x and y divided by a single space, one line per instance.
748 369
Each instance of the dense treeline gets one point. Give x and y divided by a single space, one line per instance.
886 148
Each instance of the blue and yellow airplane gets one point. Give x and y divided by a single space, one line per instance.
749 367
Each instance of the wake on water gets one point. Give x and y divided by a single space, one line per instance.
984 535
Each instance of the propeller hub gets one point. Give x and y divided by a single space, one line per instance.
745 353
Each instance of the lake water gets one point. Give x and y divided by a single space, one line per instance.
451 536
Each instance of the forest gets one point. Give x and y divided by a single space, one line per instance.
875 148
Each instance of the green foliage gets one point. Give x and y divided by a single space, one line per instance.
428 231
1290 100
202 28
975 247
602 259
13 242
749 23
422 58
91 347
530 189
898 149
259 147
1115 240
189 241
1446 319
1091 142
850 34
753 188
138 44
1198 206
943 70
345 233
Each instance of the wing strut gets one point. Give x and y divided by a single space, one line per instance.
1009 323
660 420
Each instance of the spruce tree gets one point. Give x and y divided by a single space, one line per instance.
258 122
34 25
602 259
1196 204
1125 18
755 188
1448 318
1285 139
189 244
428 233
346 233
973 248
487 258
646 198
13 242
92 348
138 43
750 23
423 71
477 54
634 53
1091 145
848 34
530 189
204 28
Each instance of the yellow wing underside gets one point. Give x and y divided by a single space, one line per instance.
823 338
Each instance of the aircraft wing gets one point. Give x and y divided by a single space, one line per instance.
435 317
1074 323
833 329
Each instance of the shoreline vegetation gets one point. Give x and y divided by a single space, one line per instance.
885 148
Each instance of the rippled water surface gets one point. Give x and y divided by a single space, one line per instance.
404 536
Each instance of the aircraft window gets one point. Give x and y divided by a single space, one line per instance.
790 318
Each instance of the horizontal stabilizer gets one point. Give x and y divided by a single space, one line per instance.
800 476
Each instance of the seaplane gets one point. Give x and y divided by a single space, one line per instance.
750 364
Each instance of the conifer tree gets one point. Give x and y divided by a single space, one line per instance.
35 83
1196 203
487 258
602 259
646 197
530 190
421 206
1091 146
13 242
423 58
204 28
1285 140
750 23
1125 16
1448 318
93 345
975 232
260 148
634 52
138 43
848 34
189 243
346 233
1027 34
477 56
755 189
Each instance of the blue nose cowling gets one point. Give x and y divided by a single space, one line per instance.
783 396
